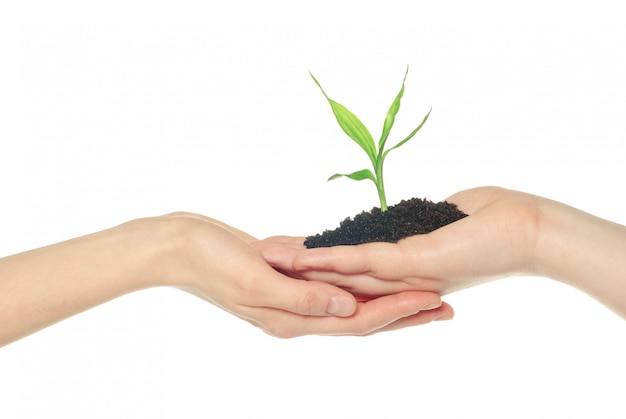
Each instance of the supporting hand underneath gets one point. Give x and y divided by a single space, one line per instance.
202 256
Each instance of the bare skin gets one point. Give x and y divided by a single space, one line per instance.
507 233
202 256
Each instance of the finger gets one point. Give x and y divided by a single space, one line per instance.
364 284
387 313
344 259
444 312
280 254
287 241
382 313
384 261
370 317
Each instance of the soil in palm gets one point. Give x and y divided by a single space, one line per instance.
407 218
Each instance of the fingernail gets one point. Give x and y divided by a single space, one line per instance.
340 306
432 306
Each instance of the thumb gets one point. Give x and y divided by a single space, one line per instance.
309 298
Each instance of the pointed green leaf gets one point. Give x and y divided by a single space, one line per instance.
360 175
411 134
351 125
391 115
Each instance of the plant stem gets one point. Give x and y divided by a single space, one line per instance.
380 186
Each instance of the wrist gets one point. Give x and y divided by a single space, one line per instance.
559 240
149 245
557 237
585 252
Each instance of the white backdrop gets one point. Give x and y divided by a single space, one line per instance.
122 109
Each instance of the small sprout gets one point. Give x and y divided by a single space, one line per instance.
356 130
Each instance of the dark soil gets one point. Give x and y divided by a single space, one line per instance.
407 218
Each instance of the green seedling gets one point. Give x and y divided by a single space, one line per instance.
356 130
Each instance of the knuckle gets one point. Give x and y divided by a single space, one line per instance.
177 214
310 304
279 332
363 331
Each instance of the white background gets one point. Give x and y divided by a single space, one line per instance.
115 110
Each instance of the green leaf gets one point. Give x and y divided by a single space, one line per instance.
351 125
391 115
360 175
411 134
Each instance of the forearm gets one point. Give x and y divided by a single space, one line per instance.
585 252
43 286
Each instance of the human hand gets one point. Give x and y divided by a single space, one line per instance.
497 239
218 263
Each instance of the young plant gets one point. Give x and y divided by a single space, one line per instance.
356 130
